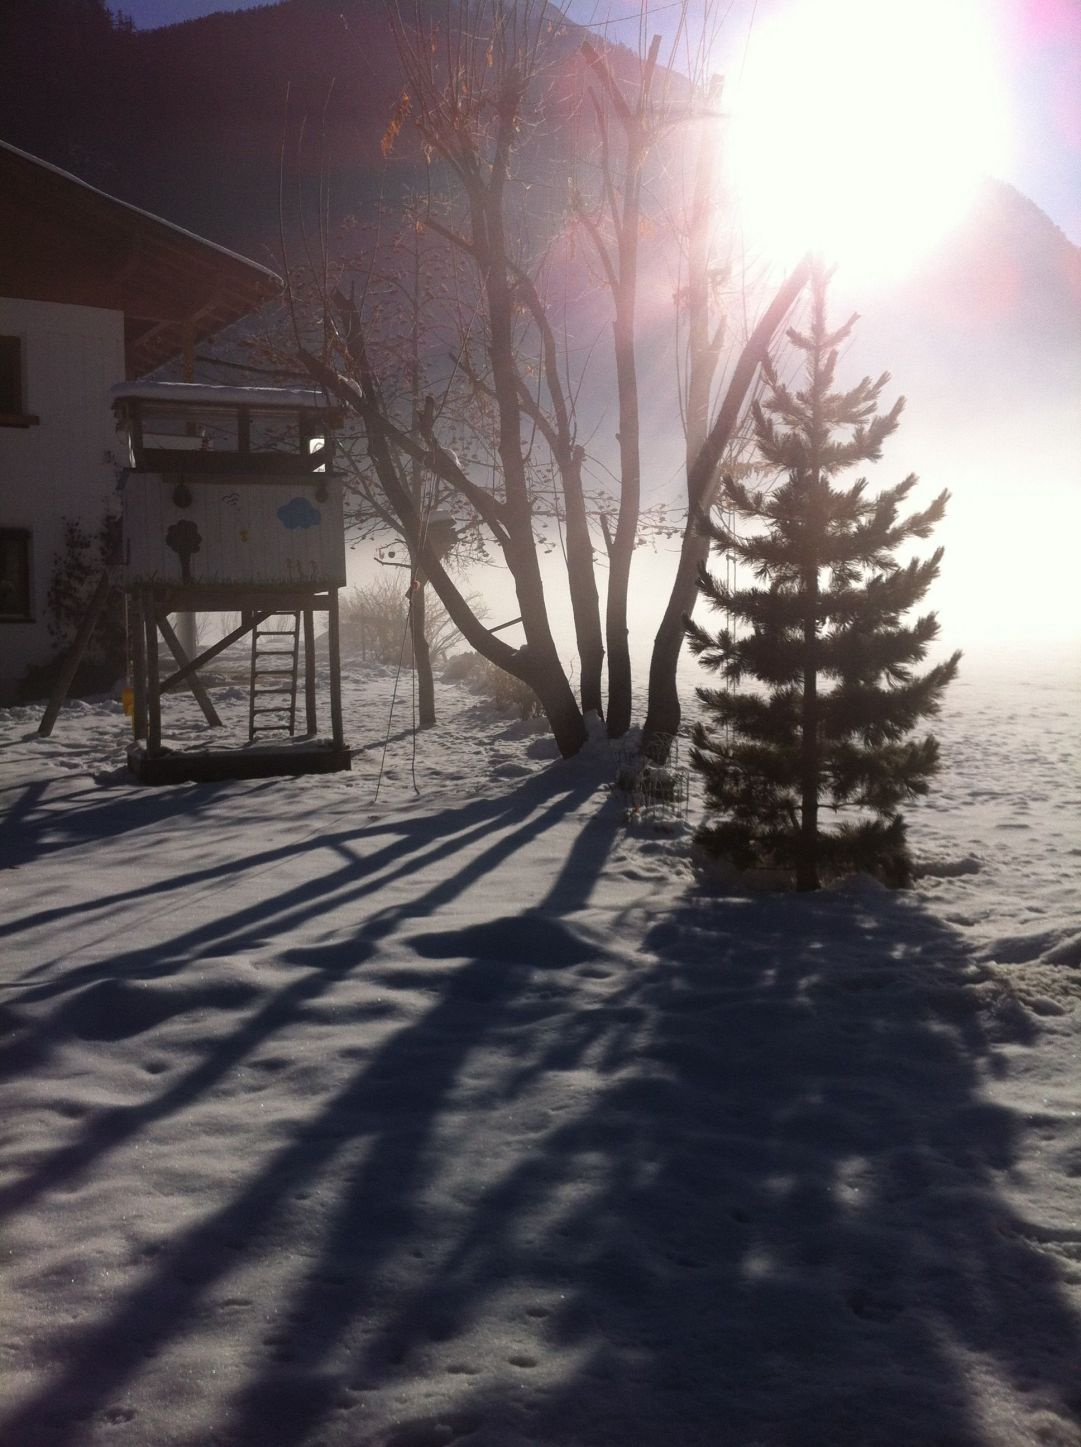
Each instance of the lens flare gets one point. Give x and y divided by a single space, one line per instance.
861 129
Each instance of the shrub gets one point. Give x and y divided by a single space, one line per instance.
374 619
76 570
509 694
462 668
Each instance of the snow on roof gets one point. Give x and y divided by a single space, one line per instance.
47 166
196 394
65 241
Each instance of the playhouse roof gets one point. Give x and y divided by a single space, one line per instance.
62 240
196 394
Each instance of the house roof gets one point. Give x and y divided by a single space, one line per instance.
62 240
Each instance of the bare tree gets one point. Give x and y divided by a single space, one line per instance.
657 110
613 227
475 91
468 84
706 448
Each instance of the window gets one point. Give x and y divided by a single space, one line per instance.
11 384
15 575
11 375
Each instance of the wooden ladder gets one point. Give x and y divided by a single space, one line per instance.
275 656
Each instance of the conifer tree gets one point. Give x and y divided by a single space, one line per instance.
837 694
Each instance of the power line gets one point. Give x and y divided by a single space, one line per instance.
635 15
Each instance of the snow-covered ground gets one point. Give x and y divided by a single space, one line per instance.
477 1117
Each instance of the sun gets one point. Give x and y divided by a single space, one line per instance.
860 129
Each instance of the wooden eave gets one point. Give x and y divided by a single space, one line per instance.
64 241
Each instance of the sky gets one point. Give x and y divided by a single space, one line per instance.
1036 51
996 94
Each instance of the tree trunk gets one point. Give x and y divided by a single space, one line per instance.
546 678
621 551
422 660
582 584
511 518
623 207
558 431
537 663
540 666
663 712
703 354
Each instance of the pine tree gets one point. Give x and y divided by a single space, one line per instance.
821 632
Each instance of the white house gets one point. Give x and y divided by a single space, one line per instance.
92 292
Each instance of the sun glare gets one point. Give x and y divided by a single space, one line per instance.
861 129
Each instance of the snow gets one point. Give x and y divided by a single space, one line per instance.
480 1116
200 394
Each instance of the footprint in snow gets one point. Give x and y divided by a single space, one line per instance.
869 1306
1022 948
1066 953
509 771
433 1431
524 939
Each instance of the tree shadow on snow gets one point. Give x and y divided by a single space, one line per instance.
746 1188
793 1229
47 817
131 991
394 1099
775 1218
789 1226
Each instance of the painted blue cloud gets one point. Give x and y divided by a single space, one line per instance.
299 513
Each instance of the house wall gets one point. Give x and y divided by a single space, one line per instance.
62 466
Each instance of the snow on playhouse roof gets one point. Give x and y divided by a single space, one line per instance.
197 394
62 240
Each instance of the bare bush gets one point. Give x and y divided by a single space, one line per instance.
509 694
375 622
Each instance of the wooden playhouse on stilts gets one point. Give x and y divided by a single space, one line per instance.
230 505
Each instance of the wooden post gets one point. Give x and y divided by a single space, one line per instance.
311 724
334 661
194 682
74 656
186 627
138 666
153 681
187 633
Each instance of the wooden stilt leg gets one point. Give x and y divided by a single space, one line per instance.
310 722
193 680
335 665
74 656
153 681
138 666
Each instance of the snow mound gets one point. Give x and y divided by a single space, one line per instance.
1020 949
1067 952
947 868
510 770
525 728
